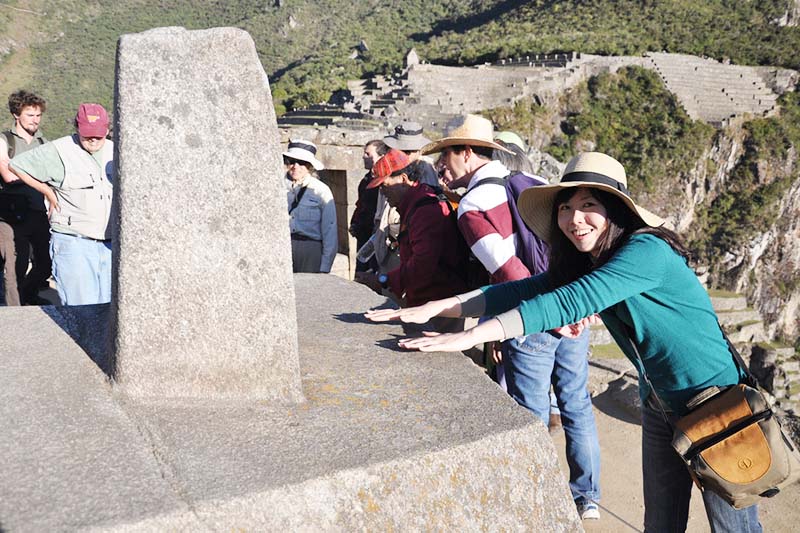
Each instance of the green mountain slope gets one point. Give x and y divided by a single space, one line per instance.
305 45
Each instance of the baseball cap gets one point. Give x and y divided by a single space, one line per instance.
392 162
92 120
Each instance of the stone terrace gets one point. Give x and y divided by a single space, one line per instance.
433 94
712 91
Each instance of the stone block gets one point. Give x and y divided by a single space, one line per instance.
387 440
203 294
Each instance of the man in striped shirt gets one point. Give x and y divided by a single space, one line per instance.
484 217
534 361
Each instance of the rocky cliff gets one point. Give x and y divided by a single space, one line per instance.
764 263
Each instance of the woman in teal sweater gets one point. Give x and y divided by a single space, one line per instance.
612 257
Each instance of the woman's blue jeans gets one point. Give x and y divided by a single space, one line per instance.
668 487
535 361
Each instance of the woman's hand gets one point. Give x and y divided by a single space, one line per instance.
449 307
573 331
488 331
439 342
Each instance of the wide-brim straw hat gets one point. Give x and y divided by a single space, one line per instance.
469 130
589 169
303 150
407 136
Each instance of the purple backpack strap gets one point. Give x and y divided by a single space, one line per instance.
533 251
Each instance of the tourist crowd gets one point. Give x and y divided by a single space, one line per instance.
473 235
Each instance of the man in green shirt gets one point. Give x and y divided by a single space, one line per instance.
75 174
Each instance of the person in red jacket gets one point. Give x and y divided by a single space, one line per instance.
432 254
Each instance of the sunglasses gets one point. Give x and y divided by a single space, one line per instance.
289 162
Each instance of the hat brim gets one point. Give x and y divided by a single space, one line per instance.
535 205
437 146
302 155
416 143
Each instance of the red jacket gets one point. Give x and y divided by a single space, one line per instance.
432 254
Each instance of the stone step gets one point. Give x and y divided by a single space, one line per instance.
738 317
727 301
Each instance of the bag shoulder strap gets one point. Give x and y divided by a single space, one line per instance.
297 199
12 147
489 181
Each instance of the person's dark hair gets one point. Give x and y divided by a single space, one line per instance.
483 151
568 264
380 147
515 162
21 99
412 171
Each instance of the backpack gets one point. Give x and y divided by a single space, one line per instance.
473 272
13 206
532 251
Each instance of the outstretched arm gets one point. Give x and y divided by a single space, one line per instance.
448 307
488 331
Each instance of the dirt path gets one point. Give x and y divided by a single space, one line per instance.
622 508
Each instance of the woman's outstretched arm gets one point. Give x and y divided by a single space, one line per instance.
488 331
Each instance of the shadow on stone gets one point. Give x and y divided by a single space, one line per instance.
391 344
352 318
87 325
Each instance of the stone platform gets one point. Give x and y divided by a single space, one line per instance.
386 439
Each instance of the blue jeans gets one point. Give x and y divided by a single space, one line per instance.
668 487
535 361
81 268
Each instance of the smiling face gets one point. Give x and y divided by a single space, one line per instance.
584 220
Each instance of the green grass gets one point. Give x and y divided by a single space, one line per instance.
719 293
606 351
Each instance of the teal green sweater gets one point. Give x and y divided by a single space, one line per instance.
645 287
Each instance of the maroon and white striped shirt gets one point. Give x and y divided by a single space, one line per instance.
484 219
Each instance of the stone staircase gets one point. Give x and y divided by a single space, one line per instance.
712 91
329 115
433 95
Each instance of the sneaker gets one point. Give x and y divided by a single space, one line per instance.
588 510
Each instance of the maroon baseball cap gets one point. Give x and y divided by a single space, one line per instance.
92 120
393 161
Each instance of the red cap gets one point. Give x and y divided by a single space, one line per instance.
92 120
387 165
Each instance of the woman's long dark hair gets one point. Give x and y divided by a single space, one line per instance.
568 264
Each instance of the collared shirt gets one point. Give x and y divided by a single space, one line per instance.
44 164
432 260
315 216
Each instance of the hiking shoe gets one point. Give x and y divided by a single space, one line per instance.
588 510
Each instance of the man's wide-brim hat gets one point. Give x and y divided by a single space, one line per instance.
469 130
590 169
407 136
305 151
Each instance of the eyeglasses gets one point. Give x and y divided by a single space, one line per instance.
289 162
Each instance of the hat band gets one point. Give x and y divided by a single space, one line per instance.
594 177
410 133
303 146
